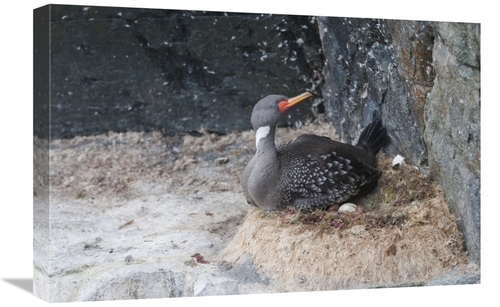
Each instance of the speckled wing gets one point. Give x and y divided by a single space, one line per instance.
318 172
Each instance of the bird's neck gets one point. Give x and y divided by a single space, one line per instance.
265 173
265 139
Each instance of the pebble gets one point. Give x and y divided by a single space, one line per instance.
221 160
129 259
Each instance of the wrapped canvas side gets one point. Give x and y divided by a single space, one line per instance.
41 162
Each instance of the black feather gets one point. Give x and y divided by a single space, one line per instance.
374 136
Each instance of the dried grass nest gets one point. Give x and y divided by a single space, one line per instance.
406 234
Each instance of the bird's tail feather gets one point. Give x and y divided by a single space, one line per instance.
374 136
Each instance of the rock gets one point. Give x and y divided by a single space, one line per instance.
221 160
243 278
213 285
362 82
149 282
461 275
129 259
441 62
452 121
124 69
357 229
413 42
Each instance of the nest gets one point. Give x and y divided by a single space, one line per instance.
406 235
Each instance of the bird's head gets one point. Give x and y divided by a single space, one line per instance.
268 111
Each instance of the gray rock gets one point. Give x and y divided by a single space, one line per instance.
452 121
121 69
459 276
245 271
137 285
441 63
467 275
362 82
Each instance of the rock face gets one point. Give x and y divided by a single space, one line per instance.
119 69
452 120
422 80
362 82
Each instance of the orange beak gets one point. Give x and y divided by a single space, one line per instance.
290 102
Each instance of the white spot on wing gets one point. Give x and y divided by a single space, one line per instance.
261 133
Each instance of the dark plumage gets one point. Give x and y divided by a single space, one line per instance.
311 171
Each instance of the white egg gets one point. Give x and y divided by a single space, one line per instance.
348 207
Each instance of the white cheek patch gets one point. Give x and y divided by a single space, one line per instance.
261 133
